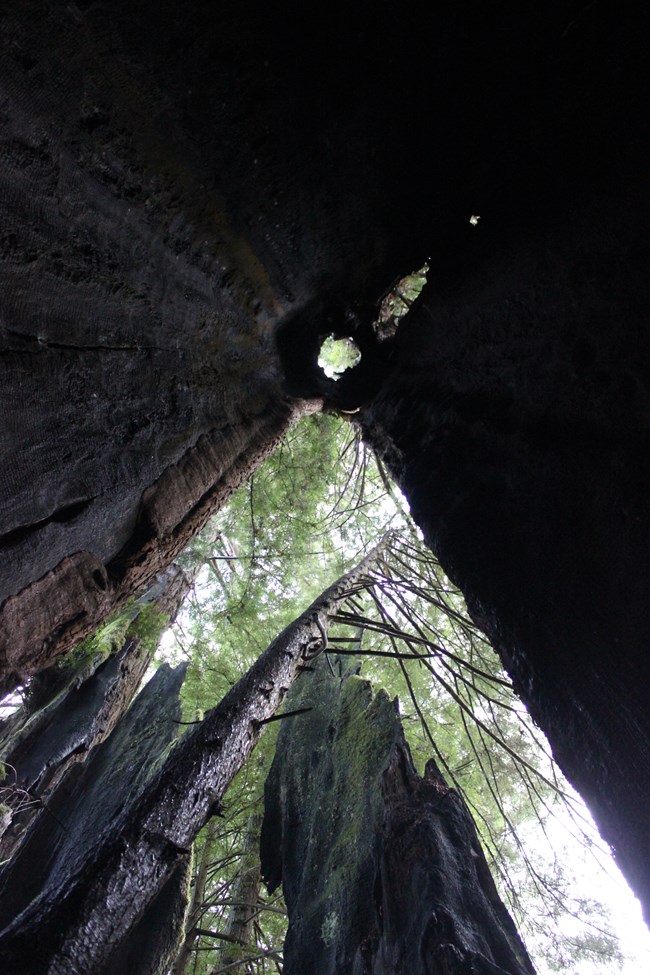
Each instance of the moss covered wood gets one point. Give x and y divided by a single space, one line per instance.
382 870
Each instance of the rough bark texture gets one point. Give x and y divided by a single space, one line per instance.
49 616
180 179
76 917
40 744
139 382
382 870
80 819
176 181
517 421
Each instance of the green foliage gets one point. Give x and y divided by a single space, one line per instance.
148 625
282 539
303 519
337 355
226 840
139 620
399 301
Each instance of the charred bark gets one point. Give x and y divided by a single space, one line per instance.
382 870
516 421
84 911
177 181
42 621
38 746
138 376
82 812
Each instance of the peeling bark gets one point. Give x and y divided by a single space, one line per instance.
382 870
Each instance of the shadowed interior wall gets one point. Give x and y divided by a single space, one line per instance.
517 421
177 180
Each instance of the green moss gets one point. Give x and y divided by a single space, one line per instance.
366 729
138 621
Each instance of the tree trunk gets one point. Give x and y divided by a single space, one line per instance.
382 870
82 812
164 204
177 183
198 894
39 748
244 895
516 420
180 180
82 917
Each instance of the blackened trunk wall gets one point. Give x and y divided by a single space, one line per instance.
517 421
178 178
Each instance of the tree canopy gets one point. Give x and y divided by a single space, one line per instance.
287 531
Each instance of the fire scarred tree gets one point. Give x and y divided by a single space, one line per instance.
192 198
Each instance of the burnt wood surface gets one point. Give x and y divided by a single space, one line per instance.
75 904
516 419
80 818
179 181
382 870
60 724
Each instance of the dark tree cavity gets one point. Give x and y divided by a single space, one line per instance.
193 193
299 341
381 869
516 419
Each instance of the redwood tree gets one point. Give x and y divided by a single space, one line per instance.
183 186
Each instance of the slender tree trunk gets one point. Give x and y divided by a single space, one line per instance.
245 895
198 894
78 922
